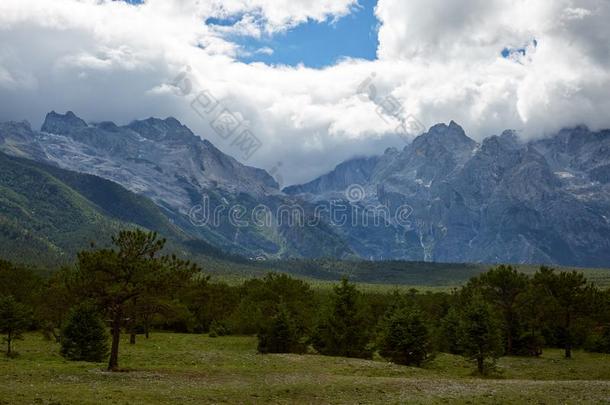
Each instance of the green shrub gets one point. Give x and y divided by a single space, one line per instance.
599 342
282 335
218 329
405 338
84 337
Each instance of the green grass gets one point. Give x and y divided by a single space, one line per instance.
177 368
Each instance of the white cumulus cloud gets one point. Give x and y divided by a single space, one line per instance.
440 59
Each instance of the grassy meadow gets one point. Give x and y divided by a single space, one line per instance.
189 368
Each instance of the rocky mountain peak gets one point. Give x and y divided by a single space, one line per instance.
107 126
162 129
442 129
439 151
62 124
498 144
357 170
511 139
450 137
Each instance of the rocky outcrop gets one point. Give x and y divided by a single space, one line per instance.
545 201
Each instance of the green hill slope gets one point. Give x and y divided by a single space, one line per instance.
47 214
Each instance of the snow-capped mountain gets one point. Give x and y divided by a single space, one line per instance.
500 200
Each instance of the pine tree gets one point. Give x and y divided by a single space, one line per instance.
132 268
405 338
84 338
571 298
346 331
281 335
502 287
14 319
449 339
480 334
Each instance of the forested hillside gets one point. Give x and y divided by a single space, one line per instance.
47 214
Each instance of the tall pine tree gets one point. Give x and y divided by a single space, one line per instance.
346 330
480 334
118 276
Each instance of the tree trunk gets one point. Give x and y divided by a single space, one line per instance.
113 364
146 317
536 349
480 365
133 326
8 342
509 331
568 343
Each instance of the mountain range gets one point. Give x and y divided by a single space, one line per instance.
498 200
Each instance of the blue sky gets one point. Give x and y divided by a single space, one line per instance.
316 44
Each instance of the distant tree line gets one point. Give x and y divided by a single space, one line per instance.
133 287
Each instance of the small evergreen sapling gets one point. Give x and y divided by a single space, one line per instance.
405 338
84 337
281 335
